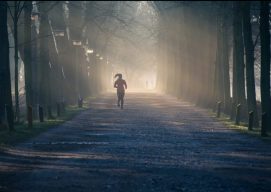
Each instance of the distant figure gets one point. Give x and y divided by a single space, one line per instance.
121 85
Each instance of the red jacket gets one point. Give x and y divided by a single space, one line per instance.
120 84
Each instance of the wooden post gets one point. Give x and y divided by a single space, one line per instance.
80 102
218 109
41 116
49 112
264 123
63 106
30 116
237 118
58 109
9 117
6 114
250 120
232 110
214 105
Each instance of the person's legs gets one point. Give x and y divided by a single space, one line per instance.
121 103
122 100
119 98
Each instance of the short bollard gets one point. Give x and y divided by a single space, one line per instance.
232 110
63 106
41 115
30 116
218 109
250 120
58 109
80 102
9 117
238 110
214 106
264 125
49 112
6 114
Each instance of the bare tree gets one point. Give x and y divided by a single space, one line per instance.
17 8
249 53
238 59
27 53
5 84
265 66
45 66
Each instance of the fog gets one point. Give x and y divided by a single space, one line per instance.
169 47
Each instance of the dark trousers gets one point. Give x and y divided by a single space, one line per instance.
120 98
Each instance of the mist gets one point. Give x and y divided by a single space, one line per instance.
197 51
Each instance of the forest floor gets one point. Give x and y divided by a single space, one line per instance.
156 143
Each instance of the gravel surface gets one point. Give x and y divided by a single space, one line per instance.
156 143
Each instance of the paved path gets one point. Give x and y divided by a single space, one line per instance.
156 143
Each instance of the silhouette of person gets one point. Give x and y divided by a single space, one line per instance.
121 85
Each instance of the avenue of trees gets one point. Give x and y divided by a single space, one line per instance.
208 56
213 54
58 53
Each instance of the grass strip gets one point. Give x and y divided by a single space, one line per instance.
22 132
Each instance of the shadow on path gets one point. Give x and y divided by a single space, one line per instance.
156 143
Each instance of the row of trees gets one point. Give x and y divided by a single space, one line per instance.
59 66
207 56
67 49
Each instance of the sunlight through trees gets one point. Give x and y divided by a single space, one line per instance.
62 52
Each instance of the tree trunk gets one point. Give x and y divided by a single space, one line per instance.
5 83
16 58
27 53
35 63
45 88
186 53
265 64
249 51
238 60
225 59
212 45
166 56
179 54
218 64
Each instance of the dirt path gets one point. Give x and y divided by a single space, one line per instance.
155 144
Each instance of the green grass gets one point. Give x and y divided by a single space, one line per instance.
22 132
242 128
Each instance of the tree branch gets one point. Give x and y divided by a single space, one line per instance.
256 41
20 10
10 12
